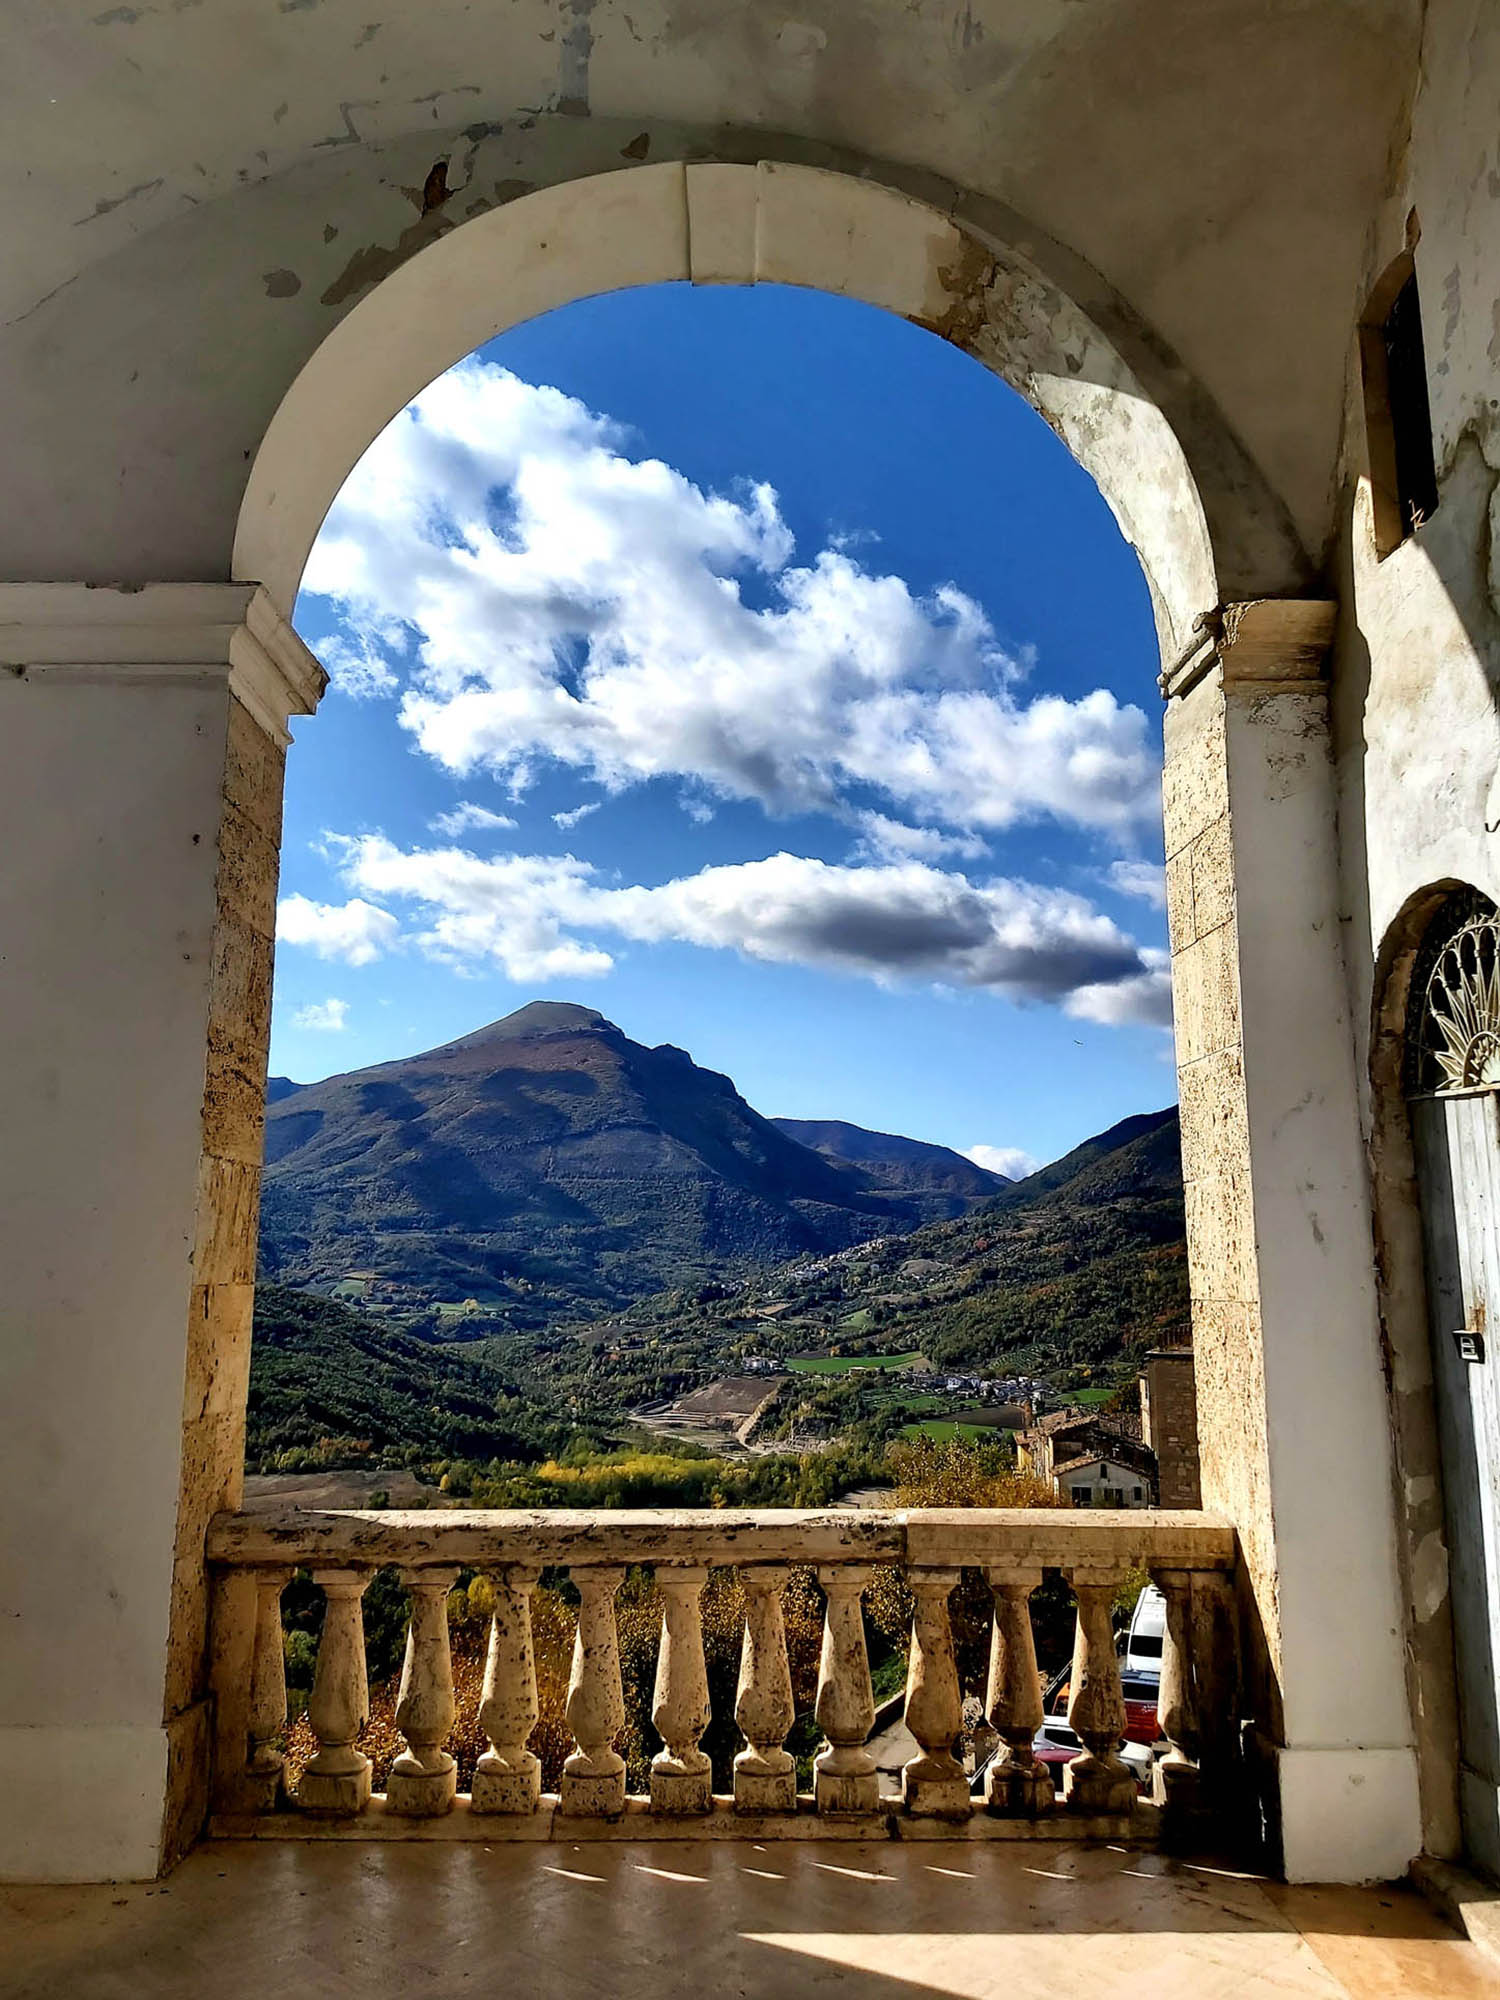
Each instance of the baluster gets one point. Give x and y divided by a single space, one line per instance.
681 1773
593 1780
424 1777
1017 1785
1213 1649
231 1667
765 1773
933 1785
844 1775
1175 1777
337 1779
1098 1780
508 1777
263 1773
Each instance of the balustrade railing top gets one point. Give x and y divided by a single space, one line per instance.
253 1555
1053 1537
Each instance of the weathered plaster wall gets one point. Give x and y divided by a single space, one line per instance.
206 190
104 1023
723 223
1417 722
1417 683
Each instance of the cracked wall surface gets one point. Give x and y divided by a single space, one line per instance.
202 190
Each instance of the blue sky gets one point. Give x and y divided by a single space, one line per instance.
758 669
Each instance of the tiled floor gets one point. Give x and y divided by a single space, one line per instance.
287 1921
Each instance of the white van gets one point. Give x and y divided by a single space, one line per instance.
1148 1626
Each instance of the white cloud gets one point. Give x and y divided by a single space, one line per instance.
1008 1160
567 820
355 932
1146 879
356 661
1144 1000
327 1016
535 917
466 817
564 602
512 911
883 839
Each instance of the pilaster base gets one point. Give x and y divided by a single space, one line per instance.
1018 1791
1099 1785
505 1786
81 1804
336 1794
416 1793
1348 1815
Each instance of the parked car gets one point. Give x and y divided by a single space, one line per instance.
1056 1744
1148 1628
1140 1690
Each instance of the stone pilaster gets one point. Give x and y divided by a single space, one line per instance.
1291 1407
142 743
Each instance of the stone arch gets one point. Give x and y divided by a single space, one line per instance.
732 224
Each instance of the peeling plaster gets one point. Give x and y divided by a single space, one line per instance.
575 53
375 261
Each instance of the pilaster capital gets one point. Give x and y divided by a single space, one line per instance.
173 634
1264 643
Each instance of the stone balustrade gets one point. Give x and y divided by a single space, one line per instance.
1191 1556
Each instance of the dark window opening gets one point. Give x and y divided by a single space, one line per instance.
1398 418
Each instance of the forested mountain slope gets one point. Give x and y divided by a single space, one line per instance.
551 1167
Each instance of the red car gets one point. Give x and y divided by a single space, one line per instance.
1140 1692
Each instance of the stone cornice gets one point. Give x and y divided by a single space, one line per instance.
1268 642
171 633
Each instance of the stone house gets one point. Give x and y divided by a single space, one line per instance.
1097 1480
1090 1459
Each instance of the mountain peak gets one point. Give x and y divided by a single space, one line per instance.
537 1017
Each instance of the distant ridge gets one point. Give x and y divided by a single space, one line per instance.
893 1161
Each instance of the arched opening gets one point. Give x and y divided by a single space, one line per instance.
770 693
1263 1022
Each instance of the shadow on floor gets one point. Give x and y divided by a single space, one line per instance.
877 1921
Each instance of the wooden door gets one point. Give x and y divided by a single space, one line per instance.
1457 1138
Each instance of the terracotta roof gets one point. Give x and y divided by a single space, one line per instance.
1124 1426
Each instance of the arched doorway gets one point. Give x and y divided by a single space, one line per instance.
1453 1094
